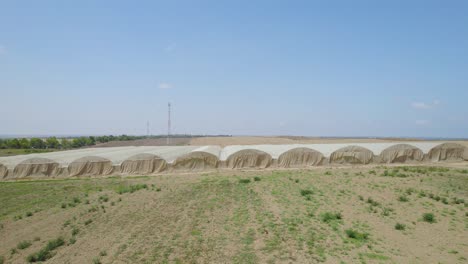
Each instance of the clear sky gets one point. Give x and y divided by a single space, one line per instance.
315 68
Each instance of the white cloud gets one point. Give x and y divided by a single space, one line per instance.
165 86
422 122
422 105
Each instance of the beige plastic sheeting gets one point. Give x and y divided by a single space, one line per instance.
300 157
351 155
36 167
143 163
3 171
401 153
196 160
248 158
448 152
90 166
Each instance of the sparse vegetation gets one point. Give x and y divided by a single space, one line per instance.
24 244
372 202
75 231
321 218
131 188
46 252
104 198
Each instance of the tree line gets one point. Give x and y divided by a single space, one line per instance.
62 143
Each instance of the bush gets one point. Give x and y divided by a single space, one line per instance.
46 252
103 198
399 226
23 244
306 192
328 217
353 234
87 222
244 181
64 205
257 178
429 217
29 214
372 202
75 231
403 199
2 260
96 261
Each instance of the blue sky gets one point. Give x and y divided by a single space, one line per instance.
315 68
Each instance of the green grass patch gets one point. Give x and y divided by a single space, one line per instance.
19 197
131 188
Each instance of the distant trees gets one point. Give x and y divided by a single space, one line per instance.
13 143
52 142
37 143
66 143
24 143
83 141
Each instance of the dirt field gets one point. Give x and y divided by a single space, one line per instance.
226 141
251 140
145 142
332 215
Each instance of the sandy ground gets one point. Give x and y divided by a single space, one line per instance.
215 218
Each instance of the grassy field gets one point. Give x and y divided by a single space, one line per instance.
14 152
340 215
